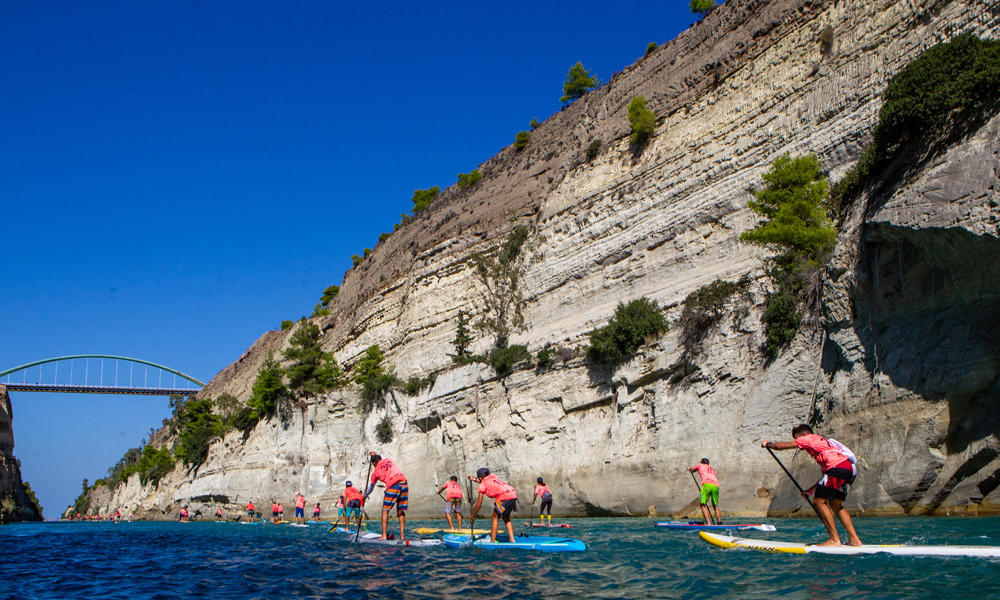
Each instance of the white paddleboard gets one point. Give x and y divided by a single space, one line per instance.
370 537
726 541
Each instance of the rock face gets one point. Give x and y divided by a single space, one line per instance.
900 368
15 505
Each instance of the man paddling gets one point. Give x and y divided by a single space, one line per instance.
504 498
396 492
709 490
831 490
452 500
250 508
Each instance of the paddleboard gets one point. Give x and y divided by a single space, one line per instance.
557 525
430 530
544 544
725 541
695 526
297 525
370 537
249 523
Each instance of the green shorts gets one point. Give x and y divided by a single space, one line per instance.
709 490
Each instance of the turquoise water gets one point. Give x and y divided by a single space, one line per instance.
626 558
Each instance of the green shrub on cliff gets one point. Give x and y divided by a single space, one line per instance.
503 359
704 309
375 379
626 331
383 431
578 82
943 94
462 339
312 371
197 426
521 140
31 496
793 206
781 318
467 180
795 224
423 198
268 389
154 464
500 277
701 7
593 149
642 120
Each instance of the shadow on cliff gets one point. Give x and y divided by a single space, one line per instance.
927 315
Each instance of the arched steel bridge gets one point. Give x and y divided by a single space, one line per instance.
91 377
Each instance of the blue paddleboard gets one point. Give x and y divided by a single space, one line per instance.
544 544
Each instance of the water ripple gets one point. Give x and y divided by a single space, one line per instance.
626 558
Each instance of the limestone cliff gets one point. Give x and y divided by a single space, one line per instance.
15 504
901 368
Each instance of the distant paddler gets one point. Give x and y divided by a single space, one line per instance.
250 509
300 508
396 492
839 472
504 497
709 490
542 491
452 500
349 505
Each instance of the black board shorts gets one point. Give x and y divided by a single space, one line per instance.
507 508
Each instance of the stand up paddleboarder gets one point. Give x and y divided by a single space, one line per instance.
839 472
504 497
396 492
542 491
452 500
709 490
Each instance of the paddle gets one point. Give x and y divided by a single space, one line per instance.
472 514
711 521
363 498
802 491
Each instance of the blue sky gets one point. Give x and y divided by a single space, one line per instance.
178 177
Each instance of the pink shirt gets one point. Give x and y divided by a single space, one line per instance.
497 488
452 490
300 501
707 473
387 472
541 488
826 455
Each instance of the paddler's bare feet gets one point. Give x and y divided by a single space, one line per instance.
855 542
831 543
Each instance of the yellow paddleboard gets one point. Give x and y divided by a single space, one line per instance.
427 530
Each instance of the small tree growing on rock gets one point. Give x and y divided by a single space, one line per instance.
795 224
579 81
702 7
500 275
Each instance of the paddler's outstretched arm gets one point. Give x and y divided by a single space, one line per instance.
778 445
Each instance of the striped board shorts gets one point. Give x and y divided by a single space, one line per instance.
397 494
